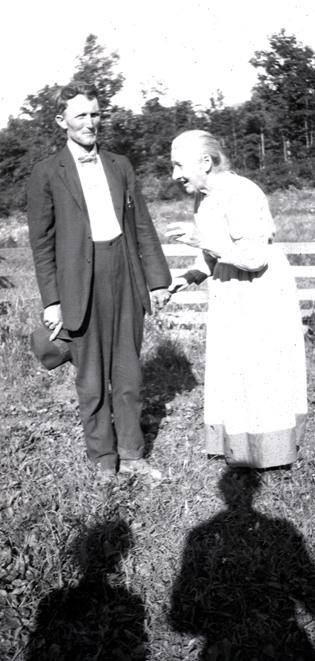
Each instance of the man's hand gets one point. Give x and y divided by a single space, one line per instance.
159 298
178 284
53 320
184 232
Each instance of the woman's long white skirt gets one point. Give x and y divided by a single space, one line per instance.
255 385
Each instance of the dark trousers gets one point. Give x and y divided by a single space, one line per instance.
106 353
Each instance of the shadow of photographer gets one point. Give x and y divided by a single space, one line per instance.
99 618
244 575
165 374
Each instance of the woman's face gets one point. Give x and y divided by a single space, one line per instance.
190 166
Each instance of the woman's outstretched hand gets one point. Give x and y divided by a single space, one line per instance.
184 232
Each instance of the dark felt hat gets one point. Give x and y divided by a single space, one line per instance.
51 354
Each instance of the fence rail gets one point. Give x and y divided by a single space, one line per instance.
306 294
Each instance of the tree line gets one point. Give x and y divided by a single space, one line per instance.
270 137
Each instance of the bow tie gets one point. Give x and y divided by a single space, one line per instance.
88 158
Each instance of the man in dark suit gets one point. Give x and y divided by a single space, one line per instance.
96 255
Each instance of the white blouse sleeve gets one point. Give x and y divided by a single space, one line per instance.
202 264
250 227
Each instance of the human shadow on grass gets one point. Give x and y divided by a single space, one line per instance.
99 618
243 576
165 374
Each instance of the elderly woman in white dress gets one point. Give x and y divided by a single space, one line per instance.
255 382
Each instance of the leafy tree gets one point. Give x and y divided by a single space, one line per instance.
270 137
40 110
93 66
12 151
161 124
223 123
286 91
123 133
98 68
35 134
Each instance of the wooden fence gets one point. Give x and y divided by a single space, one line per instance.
305 272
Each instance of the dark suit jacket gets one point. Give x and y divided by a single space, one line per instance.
61 240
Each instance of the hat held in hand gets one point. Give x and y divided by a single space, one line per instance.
51 354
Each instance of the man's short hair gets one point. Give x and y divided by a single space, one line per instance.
64 94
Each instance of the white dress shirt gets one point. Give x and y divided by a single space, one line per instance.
103 220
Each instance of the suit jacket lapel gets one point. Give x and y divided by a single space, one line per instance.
115 184
69 175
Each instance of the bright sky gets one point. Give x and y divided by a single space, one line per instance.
193 47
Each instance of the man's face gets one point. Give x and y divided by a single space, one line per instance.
81 120
189 167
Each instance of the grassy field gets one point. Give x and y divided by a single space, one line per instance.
207 564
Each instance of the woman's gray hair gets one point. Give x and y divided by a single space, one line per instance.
209 145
